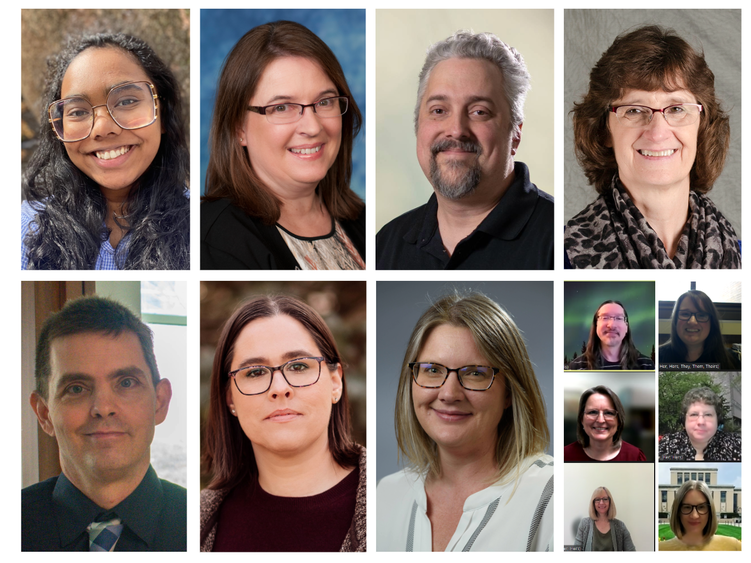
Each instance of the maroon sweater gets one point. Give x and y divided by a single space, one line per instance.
574 452
250 519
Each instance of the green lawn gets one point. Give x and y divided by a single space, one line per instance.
665 533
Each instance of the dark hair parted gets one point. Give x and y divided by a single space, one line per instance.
228 453
230 172
714 347
96 315
649 58
629 355
581 435
68 229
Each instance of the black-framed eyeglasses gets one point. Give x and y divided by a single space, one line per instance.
601 499
300 372
473 378
676 115
685 315
289 113
701 509
131 105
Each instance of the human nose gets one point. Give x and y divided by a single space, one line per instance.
103 403
451 389
658 127
279 386
457 125
310 121
103 123
600 416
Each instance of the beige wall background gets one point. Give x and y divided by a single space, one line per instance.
402 38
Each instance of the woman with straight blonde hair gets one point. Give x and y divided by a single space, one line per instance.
602 531
470 422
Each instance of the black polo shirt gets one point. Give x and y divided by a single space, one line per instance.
55 515
516 235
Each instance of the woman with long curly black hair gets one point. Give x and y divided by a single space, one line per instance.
107 186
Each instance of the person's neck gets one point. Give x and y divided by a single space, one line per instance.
469 471
301 474
699 447
602 450
694 538
611 353
666 211
109 490
694 352
304 215
116 218
458 218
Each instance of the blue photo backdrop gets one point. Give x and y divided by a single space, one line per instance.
342 30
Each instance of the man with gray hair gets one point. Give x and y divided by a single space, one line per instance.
485 213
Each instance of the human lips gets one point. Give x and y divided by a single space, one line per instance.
451 415
283 415
656 154
109 154
309 152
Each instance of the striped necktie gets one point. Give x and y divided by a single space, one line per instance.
104 535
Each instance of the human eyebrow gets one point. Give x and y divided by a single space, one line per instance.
67 379
291 355
284 98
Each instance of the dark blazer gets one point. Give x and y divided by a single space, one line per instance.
233 240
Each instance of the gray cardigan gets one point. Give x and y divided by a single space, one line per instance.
211 500
618 532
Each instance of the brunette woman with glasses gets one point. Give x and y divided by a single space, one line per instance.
695 335
470 422
107 187
286 475
693 520
277 184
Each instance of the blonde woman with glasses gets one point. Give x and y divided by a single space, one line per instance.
470 422
602 531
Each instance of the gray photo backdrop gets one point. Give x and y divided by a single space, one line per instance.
400 305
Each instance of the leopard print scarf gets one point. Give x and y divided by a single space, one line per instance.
612 233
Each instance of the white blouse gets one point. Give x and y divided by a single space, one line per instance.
494 519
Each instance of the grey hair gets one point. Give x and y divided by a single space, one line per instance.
486 46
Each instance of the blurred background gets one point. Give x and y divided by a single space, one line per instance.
342 306
43 32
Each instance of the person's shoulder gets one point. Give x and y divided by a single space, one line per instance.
38 493
672 544
220 216
724 543
644 362
579 362
632 453
403 479
573 452
400 225
539 469
174 493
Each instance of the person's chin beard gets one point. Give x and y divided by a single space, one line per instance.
463 179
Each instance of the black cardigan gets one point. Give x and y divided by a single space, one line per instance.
233 240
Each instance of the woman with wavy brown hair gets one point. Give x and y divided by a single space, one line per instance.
652 172
286 475
278 190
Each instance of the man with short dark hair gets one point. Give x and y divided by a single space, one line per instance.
484 213
98 392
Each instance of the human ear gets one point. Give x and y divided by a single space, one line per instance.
42 411
337 377
163 398
516 138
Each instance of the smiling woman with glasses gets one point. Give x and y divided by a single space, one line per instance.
277 438
602 531
651 138
107 186
470 422
278 181
599 426
695 334
693 520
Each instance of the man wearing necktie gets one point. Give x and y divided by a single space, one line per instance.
99 394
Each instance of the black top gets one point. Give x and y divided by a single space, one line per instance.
642 363
669 354
233 240
516 235
55 515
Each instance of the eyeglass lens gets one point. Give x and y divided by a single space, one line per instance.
608 415
288 113
614 318
701 509
254 380
474 378
602 499
676 115
700 317
131 106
